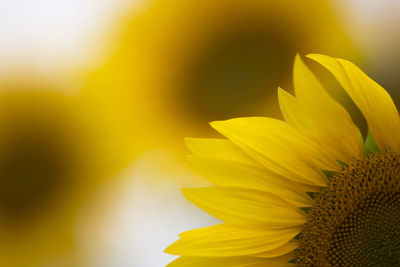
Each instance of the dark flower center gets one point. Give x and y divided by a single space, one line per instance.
34 166
41 155
355 220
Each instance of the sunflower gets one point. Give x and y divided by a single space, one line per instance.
307 190
178 60
53 154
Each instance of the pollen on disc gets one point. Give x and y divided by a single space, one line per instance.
355 220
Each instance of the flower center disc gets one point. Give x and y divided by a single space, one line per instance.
355 220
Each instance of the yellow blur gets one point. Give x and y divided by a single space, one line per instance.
54 153
181 64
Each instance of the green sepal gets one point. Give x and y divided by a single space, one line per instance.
297 237
341 163
370 144
312 194
305 209
328 173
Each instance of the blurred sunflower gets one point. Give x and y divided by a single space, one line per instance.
181 64
306 191
53 153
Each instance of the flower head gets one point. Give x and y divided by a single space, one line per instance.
307 190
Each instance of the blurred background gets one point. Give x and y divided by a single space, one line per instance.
96 97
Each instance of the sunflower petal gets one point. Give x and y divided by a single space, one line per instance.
218 148
293 112
225 240
231 262
237 174
280 251
314 111
374 102
246 207
279 147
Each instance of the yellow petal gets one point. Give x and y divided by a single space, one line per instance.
238 174
374 102
279 147
282 250
293 112
224 240
247 207
315 112
218 148
231 262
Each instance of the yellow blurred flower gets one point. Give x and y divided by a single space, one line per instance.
181 64
306 190
53 153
